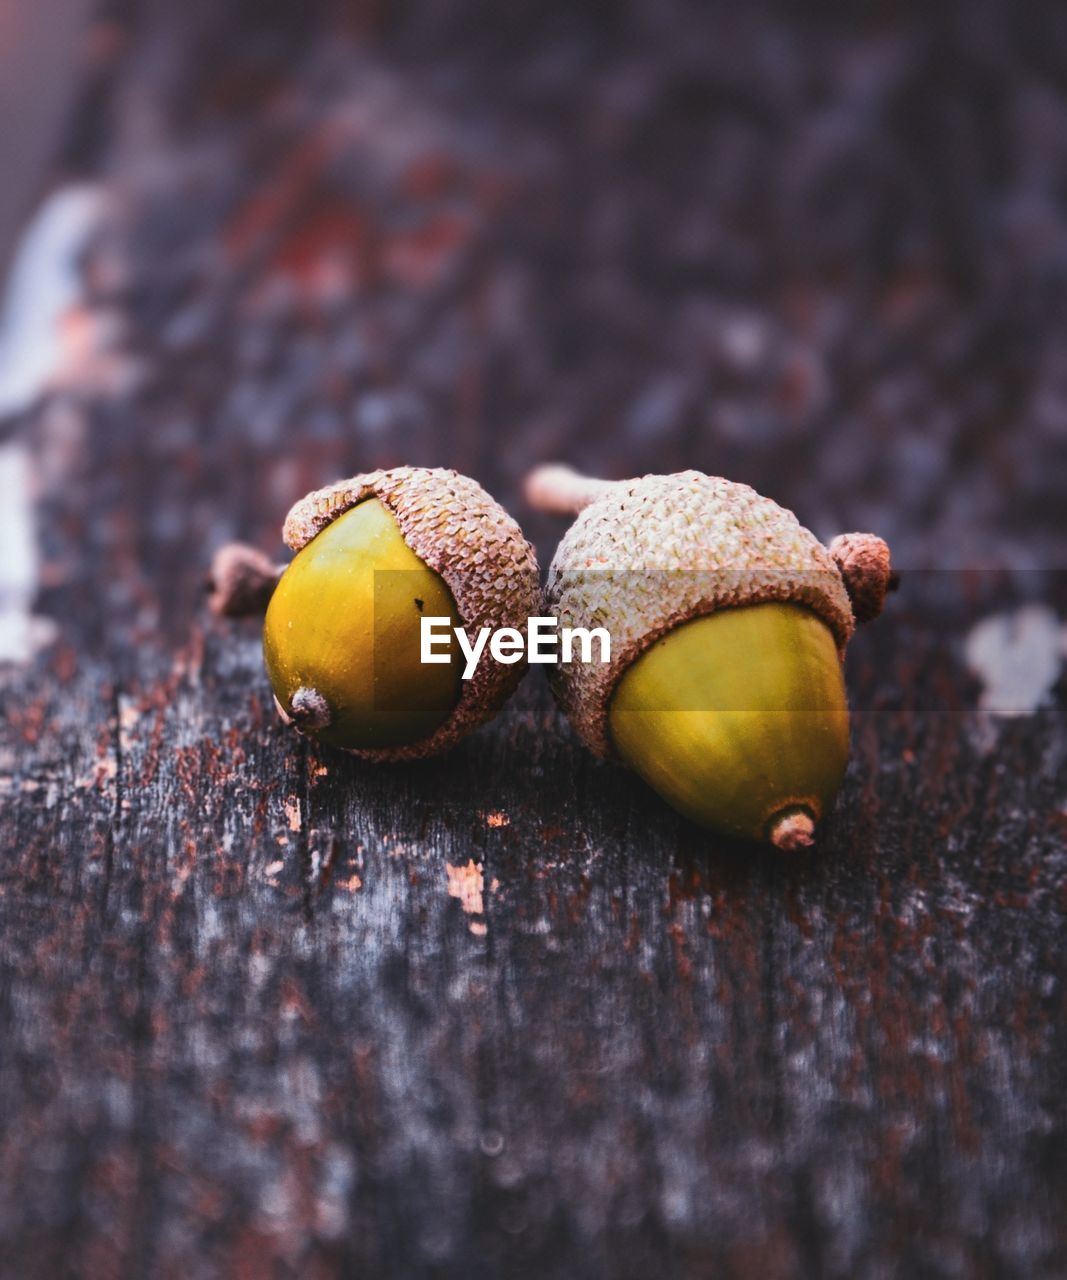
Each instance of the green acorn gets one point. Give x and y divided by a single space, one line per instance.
341 639
728 624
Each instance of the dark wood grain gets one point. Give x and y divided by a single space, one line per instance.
269 1011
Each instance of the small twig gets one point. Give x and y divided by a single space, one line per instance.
242 581
560 490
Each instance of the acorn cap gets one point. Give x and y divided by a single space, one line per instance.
466 537
646 555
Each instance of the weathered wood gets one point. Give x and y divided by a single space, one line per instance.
266 1010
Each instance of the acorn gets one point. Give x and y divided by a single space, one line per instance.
728 623
375 554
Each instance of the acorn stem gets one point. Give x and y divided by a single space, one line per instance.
241 581
559 490
864 563
791 830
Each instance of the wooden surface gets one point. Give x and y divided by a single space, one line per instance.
38 53
268 1011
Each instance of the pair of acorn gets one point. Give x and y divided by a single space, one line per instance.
728 624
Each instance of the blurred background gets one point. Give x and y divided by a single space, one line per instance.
823 251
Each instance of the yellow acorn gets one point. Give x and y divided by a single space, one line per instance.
342 636
728 623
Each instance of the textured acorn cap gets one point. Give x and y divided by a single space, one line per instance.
649 554
460 532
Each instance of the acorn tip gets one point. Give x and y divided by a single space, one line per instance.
309 710
792 830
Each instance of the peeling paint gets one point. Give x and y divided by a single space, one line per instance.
43 288
1018 658
466 883
22 633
